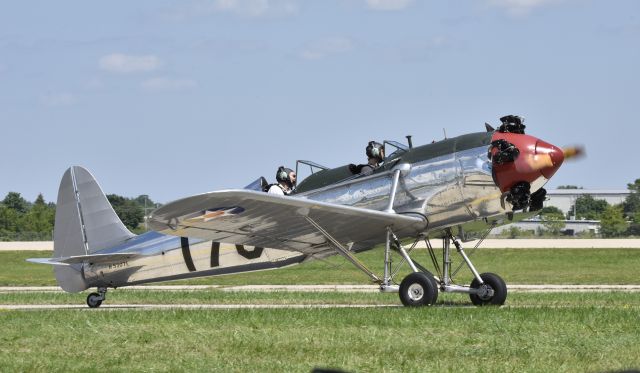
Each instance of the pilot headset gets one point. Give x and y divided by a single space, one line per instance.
283 174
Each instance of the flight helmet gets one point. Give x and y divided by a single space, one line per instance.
282 175
375 150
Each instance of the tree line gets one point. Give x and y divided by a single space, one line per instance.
21 220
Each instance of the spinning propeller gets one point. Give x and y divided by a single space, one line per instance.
542 160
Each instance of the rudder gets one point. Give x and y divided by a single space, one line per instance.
85 223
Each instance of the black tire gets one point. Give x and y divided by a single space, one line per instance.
436 286
494 282
417 290
93 300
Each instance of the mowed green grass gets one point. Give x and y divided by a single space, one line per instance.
516 266
574 337
565 332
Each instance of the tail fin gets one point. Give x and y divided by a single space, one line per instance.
85 223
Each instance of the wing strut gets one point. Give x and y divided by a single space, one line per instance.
344 251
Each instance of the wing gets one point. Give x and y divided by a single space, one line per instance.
265 220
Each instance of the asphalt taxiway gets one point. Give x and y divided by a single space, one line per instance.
518 288
29 307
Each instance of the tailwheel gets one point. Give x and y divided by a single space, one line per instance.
418 289
94 300
492 292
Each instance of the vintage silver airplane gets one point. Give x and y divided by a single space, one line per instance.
463 184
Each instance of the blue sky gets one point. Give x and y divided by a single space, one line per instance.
172 98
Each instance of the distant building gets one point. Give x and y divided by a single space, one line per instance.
572 227
564 199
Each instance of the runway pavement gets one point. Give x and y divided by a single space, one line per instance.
518 288
148 307
107 307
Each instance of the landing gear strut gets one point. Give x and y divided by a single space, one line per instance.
94 300
420 288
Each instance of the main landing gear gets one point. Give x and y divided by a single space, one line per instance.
94 300
421 287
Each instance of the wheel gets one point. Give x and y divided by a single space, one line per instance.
493 282
436 285
417 289
94 300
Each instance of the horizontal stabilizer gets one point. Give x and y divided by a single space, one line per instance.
52 261
93 259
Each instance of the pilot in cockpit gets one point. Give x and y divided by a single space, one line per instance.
375 155
286 178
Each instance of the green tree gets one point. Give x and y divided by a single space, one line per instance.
128 210
634 227
514 232
550 210
40 218
146 203
14 201
631 208
589 208
144 200
553 222
612 223
9 222
631 204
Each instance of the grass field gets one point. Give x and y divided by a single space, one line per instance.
516 266
540 332
560 332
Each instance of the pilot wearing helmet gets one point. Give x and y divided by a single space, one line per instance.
286 178
375 155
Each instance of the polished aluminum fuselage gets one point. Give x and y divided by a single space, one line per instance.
448 190
162 257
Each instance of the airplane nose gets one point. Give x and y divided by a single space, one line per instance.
523 159
555 158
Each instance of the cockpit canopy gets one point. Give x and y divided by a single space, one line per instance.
326 176
321 176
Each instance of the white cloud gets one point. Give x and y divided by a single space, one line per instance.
326 47
58 99
389 4
122 63
518 8
168 84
